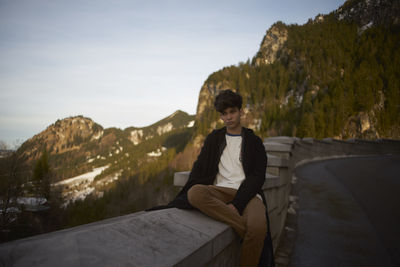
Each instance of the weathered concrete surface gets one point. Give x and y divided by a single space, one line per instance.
159 238
275 161
275 146
282 139
180 178
282 150
348 213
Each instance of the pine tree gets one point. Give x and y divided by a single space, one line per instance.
41 177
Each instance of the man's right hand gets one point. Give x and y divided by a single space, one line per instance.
233 208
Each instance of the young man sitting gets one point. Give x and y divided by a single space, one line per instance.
226 179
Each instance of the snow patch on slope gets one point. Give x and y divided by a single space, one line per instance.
86 177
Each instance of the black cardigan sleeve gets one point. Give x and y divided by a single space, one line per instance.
255 174
198 174
200 171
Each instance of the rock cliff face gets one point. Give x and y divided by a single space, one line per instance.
271 49
272 44
207 94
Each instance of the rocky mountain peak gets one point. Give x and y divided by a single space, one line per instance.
271 48
273 41
370 12
178 119
62 136
77 125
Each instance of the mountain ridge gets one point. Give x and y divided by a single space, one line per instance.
80 138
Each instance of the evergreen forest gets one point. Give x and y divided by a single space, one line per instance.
328 75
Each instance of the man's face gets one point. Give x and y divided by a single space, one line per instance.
231 117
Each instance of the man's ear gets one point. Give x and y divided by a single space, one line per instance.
241 111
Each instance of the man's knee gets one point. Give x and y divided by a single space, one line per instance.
257 230
196 194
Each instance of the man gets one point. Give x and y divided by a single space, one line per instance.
226 179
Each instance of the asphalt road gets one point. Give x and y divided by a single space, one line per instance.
348 213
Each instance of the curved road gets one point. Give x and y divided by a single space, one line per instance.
348 213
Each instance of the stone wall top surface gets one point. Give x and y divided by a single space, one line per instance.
279 147
281 139
158 238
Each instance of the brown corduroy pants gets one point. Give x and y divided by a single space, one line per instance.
251 226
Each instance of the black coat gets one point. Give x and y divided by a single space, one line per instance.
254 161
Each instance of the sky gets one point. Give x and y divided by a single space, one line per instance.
124 63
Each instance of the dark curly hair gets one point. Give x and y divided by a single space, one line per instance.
227 99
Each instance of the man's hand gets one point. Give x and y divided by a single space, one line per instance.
233 208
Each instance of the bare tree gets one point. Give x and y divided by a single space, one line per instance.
12 173
3 145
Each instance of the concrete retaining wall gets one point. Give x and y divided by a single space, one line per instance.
175 237
307 150
168 237
312 149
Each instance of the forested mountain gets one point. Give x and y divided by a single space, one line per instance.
335 76
77 172
77 144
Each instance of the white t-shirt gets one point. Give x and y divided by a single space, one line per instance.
230 168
